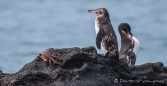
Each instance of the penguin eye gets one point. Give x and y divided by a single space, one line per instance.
100 12
125 29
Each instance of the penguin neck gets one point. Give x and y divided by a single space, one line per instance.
125 43
102 21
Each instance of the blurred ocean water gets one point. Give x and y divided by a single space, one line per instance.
28 27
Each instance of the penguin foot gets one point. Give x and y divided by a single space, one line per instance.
116 57
106 55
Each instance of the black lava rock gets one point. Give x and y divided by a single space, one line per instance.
84 67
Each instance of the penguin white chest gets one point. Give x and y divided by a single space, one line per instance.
102 42
136 47
103 46
96 27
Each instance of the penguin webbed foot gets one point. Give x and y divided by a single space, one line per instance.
115 57
106 55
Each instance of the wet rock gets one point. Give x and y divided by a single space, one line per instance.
84 67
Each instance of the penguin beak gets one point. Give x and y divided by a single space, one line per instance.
131 34
93 11
126 31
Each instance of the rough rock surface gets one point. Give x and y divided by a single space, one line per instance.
84 67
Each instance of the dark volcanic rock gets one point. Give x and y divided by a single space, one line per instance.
84 67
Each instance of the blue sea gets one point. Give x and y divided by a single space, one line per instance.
28 27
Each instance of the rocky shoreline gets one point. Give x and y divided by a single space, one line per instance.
84 67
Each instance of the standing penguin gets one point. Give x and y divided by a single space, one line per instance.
129 45
105 35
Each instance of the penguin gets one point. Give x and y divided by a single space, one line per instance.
129 45
106 38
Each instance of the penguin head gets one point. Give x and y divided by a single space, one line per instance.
125 29
100 12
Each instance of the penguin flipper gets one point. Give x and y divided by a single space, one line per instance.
131 58
99 37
